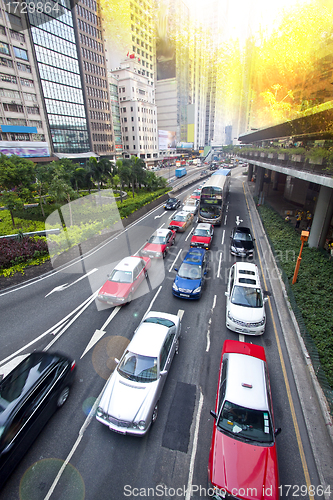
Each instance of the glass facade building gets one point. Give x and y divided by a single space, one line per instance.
57 59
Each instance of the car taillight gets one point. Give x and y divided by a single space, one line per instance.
72 366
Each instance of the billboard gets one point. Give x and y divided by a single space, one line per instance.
166 139
185 145
25 149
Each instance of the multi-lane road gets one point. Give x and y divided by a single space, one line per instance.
75 457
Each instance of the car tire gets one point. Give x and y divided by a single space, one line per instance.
129 299
164 254
173 241
62 398
154 414
146 274
177 347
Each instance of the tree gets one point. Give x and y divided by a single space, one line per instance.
12 201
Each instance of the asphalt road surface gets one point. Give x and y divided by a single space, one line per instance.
60 313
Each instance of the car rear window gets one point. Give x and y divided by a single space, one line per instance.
160 321
248 281
246 271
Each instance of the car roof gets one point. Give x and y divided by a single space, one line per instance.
247 273
128 263
148 339
162 232
195 256
203 225
246 381
181 212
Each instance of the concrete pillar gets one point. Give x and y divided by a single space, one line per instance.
321 218
250 172
259 181
276 181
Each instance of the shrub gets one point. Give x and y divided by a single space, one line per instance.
14 251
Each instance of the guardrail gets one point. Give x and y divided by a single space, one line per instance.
33 233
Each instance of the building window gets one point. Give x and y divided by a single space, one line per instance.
6 62
4 48
17 36
7 78
16 108
23 67
21 53
26 83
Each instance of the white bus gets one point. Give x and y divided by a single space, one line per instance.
213 195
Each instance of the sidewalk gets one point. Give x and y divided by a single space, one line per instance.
314 405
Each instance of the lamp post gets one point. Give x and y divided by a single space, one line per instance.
304 237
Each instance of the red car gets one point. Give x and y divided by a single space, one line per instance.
242 458
181 221
159 243
202 236
124 280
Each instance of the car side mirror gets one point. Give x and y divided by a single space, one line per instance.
176 268
163 373
116 360
265 300
277 431
226 294
213 414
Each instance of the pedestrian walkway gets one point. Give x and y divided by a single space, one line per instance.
314 405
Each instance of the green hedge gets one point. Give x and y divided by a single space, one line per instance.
313 290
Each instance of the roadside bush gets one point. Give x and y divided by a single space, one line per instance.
313 290
16 251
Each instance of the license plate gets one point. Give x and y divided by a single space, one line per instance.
245 330
117 430
183 295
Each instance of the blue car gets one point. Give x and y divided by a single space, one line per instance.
190 278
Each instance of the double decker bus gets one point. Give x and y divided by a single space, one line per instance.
213 195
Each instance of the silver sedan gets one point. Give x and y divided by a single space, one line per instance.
129 403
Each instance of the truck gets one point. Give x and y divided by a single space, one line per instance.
180 172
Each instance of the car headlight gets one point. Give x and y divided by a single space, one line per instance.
262 322
197 290
230 317
121 299
175 287
233 248
139 425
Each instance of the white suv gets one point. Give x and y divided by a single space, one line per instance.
245 304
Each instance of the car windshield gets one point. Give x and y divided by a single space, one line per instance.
242 236
246 296
210 211
172 200
121 276
157 239
138 368
180 218
246 423
201 232
189 271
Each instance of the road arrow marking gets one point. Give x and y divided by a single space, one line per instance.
99 333
159 216
238 220
60 288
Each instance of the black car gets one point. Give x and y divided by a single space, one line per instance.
172 204
29 395
241 242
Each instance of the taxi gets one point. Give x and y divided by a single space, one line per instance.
181 221
202 236
159 243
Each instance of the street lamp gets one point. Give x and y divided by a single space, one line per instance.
304 237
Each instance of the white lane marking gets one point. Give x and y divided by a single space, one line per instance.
91 299
63 287
152 302
219 267
189 234
161 226
53 329
241 337
76 444
223 235
174 262
194 449
99 333
214 303
225 220
208 335
180 314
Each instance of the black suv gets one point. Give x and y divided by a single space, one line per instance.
29 395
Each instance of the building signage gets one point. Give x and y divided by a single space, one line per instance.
26 149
